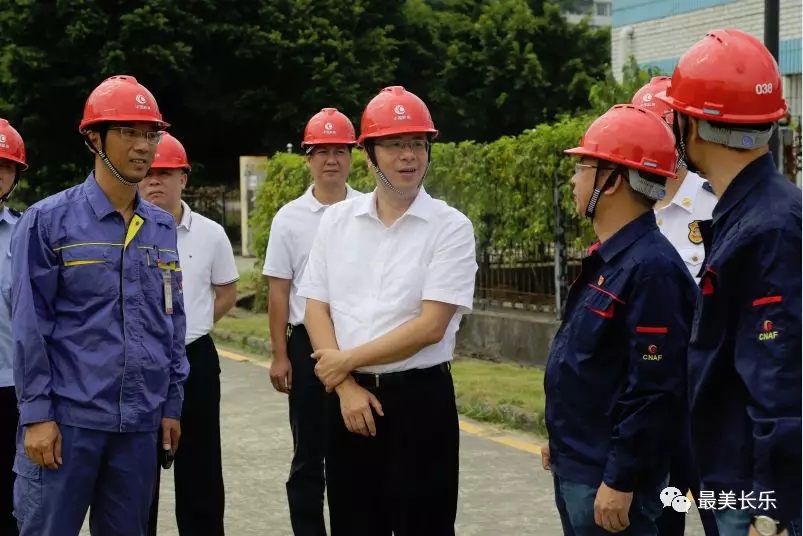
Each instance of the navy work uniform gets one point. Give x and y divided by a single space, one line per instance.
683 222
9 415
615 376
745 352
98 326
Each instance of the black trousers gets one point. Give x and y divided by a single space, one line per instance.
306 483
198 466
404 480
9 419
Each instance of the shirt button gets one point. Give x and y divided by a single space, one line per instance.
694 258
660 221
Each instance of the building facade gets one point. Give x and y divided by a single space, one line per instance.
657 32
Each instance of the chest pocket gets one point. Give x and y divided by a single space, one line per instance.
90 270
156 264
596 316
693 258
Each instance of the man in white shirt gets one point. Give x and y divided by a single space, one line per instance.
328 140
681 217
210 291
12 164
389 276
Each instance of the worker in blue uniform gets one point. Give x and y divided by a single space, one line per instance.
98 327
12 163
688 203
745 351
615 372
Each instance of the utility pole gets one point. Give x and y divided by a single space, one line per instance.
772 14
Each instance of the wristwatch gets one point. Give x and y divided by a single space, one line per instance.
766 526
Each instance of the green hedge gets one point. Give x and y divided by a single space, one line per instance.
504 187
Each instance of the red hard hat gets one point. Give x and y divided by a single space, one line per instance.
728 76
121 99
329 126
11 145
170 154
395 111
645 98
633 137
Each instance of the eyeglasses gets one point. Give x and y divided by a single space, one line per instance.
134 134
398 146
578 167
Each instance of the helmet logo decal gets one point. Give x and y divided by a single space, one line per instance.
142 102
3 139
401 113
328 126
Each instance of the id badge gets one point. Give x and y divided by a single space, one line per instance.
167 280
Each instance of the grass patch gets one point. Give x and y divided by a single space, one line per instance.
501 393
245 325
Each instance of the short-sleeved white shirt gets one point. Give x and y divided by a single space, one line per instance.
207 260
374 277
678 221
291 235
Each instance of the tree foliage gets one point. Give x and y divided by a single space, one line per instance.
238 77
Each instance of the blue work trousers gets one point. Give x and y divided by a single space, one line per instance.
111 473
575 504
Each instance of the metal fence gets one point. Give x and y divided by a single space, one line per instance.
220 204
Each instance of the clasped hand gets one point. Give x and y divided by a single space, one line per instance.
332 368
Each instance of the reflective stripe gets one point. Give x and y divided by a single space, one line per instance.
82 263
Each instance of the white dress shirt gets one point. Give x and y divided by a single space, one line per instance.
374 277
291 235
207 260
678 221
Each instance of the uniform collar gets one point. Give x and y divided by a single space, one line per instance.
7 216
421 207
686 195
314 205
626 236
747 179
101 206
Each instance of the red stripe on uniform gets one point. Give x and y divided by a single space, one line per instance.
649 329
768 299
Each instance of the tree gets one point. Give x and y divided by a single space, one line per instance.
608 92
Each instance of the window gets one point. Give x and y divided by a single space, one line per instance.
603 9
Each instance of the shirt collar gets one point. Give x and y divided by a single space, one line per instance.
687 193
626 236
747 179
101 206
186 216
314 205
421 207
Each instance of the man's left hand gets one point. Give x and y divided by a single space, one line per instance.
171 433
332 368
612 508
753 532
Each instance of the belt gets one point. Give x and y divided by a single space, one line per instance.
404 377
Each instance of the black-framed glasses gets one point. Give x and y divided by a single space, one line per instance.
131 134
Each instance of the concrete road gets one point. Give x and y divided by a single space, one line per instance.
503 490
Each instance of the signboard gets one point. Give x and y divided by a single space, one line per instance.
253 172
